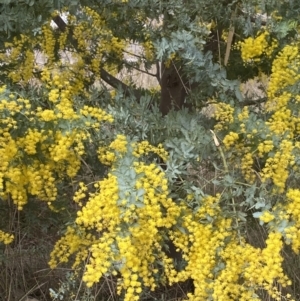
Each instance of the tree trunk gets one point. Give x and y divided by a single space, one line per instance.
173 91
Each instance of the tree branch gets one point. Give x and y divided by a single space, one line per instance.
138 69
251 102
158 75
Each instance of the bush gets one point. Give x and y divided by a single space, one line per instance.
140 193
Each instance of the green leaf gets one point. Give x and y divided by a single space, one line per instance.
257 214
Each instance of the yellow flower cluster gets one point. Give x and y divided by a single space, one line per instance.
63 36
82 36
95 39
276 168
200 245
149 50
94 43
253 48
144 148
244 268
48 42
108 156
16 176
6 238
284 74
266 217
228 283
200 253
130 222
74 242
80 193
100 260
292 235
27 68
61 149
36 179
62 99
35 159
209 207
225 271
16 46
272 260
119 144
244 114
247 167
17 55
30 141
282 121
293 209
265 147
284 71
97 114
101 211
248 269
223 114
47 115
230 139
130 225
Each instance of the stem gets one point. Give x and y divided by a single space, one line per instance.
232 198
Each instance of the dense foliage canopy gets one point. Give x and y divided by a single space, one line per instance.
170 180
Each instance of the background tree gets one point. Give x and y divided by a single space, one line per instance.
155 186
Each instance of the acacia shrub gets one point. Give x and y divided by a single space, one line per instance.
142 195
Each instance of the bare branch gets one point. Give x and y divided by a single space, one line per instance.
251 102
138 69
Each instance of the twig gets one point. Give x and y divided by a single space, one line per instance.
158 75
184 86
138 69
230 37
